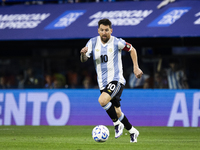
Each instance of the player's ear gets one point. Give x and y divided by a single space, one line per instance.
111 30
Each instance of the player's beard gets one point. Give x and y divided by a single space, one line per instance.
104 39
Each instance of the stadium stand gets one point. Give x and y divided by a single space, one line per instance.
53 58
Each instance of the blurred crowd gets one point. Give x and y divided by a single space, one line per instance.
171 77
66 70
69 72
31 78
41 2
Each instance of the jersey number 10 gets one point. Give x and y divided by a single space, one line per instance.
104 58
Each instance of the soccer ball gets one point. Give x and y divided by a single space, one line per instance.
100 133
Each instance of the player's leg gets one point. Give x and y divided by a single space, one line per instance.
134 133
105 101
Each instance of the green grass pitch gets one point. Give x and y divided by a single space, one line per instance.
80 138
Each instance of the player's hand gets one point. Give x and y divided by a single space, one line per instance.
84 50
138 72
83 56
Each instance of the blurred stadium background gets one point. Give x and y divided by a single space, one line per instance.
46 56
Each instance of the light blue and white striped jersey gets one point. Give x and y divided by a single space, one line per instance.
175 79
107 59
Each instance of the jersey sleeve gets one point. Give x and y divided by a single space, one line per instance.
123 45
89 45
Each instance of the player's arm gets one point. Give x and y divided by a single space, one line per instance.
129 48
137 71
83 56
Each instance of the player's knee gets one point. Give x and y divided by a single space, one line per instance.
102 101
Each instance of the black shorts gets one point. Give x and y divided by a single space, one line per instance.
114 89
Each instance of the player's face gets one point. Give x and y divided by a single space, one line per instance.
104 32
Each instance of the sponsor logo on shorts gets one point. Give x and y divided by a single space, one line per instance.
109 91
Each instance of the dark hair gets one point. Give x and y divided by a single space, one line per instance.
105 22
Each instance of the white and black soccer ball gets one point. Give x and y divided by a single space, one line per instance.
100 133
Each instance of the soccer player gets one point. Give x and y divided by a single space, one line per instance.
106 51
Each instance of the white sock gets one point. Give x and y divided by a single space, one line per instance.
132 130
116 123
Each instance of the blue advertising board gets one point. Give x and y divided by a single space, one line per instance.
81 107
79 21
